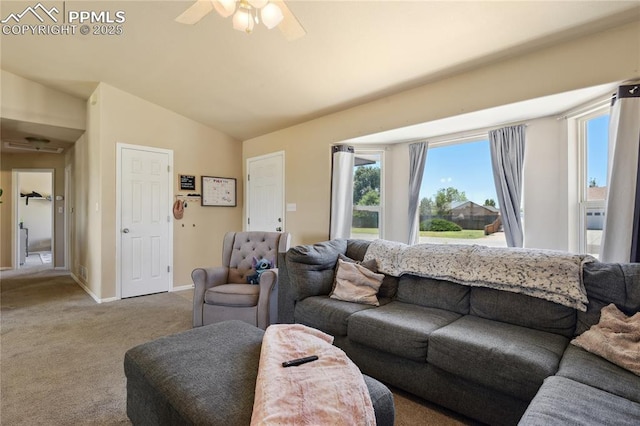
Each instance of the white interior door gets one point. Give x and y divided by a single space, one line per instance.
144 222
265 193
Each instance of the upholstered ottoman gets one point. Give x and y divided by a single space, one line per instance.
207 376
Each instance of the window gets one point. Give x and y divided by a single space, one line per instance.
458 202
593 139
367 195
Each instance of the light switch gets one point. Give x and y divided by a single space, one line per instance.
291 207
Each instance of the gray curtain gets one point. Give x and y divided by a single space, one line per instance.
622 214
342 162
507 158
417 160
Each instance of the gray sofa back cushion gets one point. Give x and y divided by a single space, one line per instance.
607 283
311 267
523 310
356 249
432 293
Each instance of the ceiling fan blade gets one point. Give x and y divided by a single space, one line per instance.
196 12
290 26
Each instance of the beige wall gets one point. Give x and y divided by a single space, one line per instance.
118 117
26 100
610 56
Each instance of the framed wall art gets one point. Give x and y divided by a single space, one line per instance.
218 191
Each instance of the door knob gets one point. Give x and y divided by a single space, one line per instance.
125 231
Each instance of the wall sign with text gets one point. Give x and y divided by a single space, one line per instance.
187 183
218 191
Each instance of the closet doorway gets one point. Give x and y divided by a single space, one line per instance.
33 198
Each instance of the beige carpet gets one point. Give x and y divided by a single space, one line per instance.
61 353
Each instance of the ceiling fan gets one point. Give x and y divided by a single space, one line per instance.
271 13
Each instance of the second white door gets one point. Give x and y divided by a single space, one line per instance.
265 193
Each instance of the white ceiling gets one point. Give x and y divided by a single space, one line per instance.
249 85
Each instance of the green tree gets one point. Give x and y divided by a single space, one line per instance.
593 183
445 196
365 179
426 207
371 198
489 202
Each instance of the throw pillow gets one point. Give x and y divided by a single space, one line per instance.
370 265
355 283
615 338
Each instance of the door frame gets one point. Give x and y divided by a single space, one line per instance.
119 148
15 220
247 193
68 189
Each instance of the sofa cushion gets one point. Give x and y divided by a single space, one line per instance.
585 367
356 283
311 267
607 283
232 295
520 309
326 314
562 401
399 328
505 357
356 249
432 293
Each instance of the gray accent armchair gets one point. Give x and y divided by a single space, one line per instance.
222 293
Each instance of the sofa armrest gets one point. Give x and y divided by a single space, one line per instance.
203 279
268 283
311 268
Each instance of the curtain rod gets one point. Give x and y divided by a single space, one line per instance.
477 134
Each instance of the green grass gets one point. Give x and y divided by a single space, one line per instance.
466 234
364 230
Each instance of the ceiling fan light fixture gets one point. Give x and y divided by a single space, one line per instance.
271 15
225 8
243 21
258 4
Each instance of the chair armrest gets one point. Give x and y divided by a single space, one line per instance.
268 283
203 279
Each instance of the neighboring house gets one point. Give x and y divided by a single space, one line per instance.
470 215
465 209
595 215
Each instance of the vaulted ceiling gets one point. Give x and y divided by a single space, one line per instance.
249 85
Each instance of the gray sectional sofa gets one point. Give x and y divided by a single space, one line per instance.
495 356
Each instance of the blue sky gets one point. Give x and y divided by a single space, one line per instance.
467 166
597 156
464 166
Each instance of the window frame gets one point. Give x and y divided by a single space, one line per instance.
584 204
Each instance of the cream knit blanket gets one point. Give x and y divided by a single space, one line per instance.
615 338
551 275
328 391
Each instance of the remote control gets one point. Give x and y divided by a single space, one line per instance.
296 362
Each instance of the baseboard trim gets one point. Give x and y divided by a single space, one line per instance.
91 293
182 288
